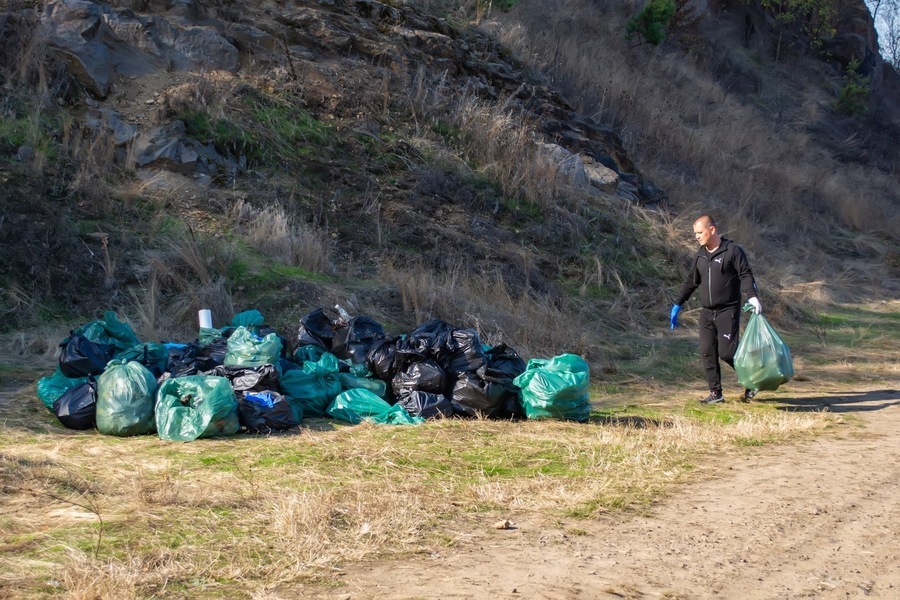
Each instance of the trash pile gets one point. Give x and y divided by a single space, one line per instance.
247 377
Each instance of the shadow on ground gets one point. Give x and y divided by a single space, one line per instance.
629 421
843 402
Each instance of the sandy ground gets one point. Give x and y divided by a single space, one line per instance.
815 520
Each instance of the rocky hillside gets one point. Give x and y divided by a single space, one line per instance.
162 156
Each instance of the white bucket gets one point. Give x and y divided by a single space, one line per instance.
205 317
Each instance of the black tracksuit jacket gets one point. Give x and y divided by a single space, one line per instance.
720 276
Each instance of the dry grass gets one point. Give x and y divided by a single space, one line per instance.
491 137
283 237
251 512
189 273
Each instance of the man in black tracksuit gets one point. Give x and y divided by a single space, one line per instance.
721 272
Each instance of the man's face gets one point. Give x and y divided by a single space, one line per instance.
703 232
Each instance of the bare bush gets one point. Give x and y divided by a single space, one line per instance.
284 237
187 275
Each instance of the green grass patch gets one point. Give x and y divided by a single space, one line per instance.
291 132
668 361
14 133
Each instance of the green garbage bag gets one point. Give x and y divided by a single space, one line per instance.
250 319
153 356
313 385
360 370
309 352
199 406
50 388
109 330
209 335
762 360
350 382
358 405
248 350
557 388
125 399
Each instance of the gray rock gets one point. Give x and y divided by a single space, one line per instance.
75 29
627 191
25 154
194 47
248 39
164 148
123 133
601 177
570 168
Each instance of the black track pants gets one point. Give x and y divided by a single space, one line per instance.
718 340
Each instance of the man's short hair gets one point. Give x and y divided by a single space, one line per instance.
709 220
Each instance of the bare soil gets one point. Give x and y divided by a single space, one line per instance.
813 520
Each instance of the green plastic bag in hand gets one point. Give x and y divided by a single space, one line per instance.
762 360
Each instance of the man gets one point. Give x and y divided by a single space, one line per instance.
721 272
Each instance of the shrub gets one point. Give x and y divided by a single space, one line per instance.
651 22
852 98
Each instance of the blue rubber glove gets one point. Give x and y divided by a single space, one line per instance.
673 316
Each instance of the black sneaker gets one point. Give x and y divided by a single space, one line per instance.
713 398
748 395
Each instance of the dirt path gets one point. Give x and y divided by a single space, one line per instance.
817 520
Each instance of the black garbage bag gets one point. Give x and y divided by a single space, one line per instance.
354 341
265 411
212 353
316 328
80 357
504 364
431 339
421 376
426 405
511 409
263 377
464 352
183 359
381 357
473 397
77 408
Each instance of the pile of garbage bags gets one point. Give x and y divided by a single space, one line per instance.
247 377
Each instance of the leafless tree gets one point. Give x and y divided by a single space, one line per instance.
886 15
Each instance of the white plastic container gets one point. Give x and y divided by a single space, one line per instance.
205 317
